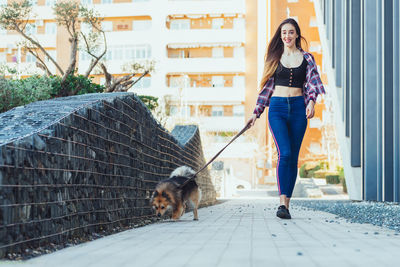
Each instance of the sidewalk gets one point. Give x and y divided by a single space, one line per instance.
238 232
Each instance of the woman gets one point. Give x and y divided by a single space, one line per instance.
289 86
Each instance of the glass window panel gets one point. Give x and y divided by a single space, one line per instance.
141 25
217 23
217 111
107 26
51 28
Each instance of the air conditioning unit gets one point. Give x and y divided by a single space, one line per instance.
39 22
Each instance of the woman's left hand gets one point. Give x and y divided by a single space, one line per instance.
310 109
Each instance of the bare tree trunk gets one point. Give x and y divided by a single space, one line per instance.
72 62
121 84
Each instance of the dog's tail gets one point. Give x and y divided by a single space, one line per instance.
183 171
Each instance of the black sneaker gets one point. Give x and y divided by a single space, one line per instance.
283 212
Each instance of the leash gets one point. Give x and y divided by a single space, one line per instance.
208 163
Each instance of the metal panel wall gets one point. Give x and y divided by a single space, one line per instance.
337 47
371 157
364 41
396 101
387 88
355 83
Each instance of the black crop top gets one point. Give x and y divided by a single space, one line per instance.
291 77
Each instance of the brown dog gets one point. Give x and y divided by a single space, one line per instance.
169 194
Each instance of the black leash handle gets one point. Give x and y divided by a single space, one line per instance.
209 162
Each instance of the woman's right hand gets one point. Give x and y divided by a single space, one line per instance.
252 120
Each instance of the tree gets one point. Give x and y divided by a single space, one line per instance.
72 16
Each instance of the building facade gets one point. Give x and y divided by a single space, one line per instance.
361 46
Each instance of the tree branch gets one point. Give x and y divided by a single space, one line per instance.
41 65
97 58
39 47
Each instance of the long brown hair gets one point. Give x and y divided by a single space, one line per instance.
275 50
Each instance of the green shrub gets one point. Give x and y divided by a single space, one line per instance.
319 174
332 179
302 171
74 85
324 165
150 101
324 173
14 93
307 170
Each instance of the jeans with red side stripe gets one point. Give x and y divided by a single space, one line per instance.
287 122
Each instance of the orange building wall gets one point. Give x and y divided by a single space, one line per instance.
304 11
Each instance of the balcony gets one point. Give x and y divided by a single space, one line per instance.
223 124
29 68
209 95
209 65
127 9
46 40
198 36
131 37
113 66
206 7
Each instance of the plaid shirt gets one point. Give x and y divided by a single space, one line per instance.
312 86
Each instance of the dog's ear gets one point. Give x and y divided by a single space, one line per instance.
166 196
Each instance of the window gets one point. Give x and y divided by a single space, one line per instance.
3 57
238 111
175 81
238 81
53 54
173 110
50 2
238 24
118 52
86 28
145 82
3 31
30 58
238 52
217 52
180 24
185 111
217 111
218 81
217 23
3 2
30 29
33 2
106 1
107 26
141 25
51 28
128 52
87 2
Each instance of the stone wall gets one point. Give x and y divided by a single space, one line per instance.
71 167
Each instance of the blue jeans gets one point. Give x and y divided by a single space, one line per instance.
287 123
